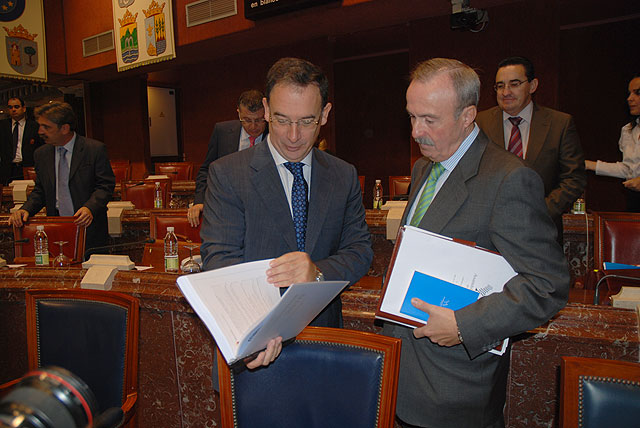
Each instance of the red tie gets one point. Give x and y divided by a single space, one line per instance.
515 141
252 141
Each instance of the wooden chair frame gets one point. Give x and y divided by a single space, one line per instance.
188 166
153 225
393 179
165 184
80 236
599 221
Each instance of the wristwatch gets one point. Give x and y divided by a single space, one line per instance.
319 275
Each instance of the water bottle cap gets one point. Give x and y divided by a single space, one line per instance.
377 181
170 229
157 183
40 227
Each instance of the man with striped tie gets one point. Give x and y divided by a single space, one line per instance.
546 139
468 188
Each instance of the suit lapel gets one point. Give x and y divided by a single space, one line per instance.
265 179
322 186
495 130
540 125
77 157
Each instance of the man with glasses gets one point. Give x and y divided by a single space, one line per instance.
546 139
230 137
288 200
19 139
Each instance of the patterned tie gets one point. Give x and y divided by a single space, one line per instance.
65 204
15 139
299 203
252 141
515 141
427 193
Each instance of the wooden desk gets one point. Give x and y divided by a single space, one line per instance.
153 254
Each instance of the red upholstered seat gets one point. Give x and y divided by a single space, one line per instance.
141 193
57 229
616 238
398 185
361 180
176 170
122 170
161 219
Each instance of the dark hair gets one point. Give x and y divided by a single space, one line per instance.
634 119
299 72
529 71
59 113
17 98
251 99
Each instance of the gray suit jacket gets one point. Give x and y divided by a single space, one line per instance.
492 199
224 140
553 151
91 183
247 217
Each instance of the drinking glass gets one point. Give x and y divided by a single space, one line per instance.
61 260
190 265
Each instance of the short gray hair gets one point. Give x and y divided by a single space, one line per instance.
464 79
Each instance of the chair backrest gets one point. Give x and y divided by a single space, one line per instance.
175 170
361 180
121 169
159 220
399 185
29 172
327 377
57 229
616 238
93 334
599 393
141 193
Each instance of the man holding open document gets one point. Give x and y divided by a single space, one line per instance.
466 187
288 200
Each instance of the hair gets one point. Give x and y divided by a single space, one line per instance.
59 113
17 98
464 79
529 71
634 119
251 99
298 72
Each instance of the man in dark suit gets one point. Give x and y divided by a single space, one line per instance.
19 139
468 188
81 163
548 140
288 200
230 137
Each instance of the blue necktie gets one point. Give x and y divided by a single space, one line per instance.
65 204
299 202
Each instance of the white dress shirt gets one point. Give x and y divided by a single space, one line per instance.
525 127
286 176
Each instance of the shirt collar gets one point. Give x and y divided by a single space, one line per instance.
21 122
70 144
280 160
451 163
525 114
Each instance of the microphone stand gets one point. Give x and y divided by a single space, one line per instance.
596 295
90 251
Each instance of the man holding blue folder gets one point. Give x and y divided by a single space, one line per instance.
468 188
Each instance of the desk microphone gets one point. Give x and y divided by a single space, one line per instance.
596 295
17 241
114 246
110 418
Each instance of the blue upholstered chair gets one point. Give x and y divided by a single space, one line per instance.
326 378
599 393
93 334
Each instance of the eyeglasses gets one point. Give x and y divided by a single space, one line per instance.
253 121
307 122
14 107
512 84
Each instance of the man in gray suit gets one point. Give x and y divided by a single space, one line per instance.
468 188
549 142
230 137
288 200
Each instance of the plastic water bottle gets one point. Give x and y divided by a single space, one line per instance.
41 246
157 196
377 195
170 251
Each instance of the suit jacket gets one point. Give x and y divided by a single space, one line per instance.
91 183
247 218
30 142
224 140
493 199
553 151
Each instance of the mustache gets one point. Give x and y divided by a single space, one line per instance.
425 141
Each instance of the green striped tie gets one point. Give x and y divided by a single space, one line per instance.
427 193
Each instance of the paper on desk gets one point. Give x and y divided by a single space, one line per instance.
143 267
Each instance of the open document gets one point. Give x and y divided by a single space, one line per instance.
440 271
243 311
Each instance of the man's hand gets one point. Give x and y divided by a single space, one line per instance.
18 218
291 268
193 215
84 217
441 327
590 165
266 357
632 184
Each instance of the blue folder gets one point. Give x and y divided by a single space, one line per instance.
616 266
437 292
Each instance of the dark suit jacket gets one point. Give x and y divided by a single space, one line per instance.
247 218
30 142
553 151
492 199
91 183
224 140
